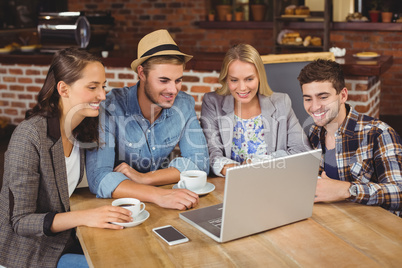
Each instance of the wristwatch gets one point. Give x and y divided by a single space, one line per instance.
353 190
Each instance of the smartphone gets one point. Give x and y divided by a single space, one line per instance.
170 235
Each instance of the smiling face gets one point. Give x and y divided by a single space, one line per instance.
82 98
161 85
243 81
323 104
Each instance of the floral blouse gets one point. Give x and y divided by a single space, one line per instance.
248 139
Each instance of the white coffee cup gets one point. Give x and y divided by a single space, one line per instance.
132 204
193 180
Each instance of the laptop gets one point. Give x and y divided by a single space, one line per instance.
261 196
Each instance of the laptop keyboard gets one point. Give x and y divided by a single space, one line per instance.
216 222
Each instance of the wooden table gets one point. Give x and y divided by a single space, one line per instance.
337 235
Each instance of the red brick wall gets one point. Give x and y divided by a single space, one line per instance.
135 18
20 84
387 43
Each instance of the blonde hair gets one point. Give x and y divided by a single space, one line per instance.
245 53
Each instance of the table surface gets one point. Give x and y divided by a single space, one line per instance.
337 235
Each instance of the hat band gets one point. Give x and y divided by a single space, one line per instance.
160 48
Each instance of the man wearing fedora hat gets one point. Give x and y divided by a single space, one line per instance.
142 124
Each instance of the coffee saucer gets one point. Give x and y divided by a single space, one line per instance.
143 216
209 187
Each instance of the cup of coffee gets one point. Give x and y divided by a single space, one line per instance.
193 180
132 204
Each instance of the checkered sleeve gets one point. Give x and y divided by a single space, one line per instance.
386 189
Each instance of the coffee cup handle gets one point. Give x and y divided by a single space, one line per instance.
143 207
181 184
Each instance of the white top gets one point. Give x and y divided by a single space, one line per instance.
73 169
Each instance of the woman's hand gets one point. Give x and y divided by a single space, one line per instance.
102 217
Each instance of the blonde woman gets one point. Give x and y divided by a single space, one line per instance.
245 119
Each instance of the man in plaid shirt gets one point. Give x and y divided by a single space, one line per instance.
362 156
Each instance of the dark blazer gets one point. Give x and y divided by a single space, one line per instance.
282 131
34 184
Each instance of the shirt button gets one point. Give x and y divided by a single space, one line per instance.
149 131
153 148
130 144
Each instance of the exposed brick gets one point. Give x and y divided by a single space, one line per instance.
17 87
9 79
116 84
18 104
187 78
11 111
25 80
25 96
32 72
33 89
211 80
8 95
361 87
109 75
200 89
126 76
358 97
15 71
349 86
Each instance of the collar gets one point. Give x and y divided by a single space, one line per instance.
349 124
133 108
53 128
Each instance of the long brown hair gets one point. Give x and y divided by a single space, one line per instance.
67 65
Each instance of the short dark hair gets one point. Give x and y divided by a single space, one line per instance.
323 71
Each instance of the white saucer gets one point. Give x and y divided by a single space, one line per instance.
143 216
206 190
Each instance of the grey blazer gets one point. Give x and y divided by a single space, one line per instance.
34 184
282 130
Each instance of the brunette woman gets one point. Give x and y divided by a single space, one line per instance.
44 163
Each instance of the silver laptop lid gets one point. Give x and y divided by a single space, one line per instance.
269 194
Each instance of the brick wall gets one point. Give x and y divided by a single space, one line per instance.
135 18
20 84
364 94
386 43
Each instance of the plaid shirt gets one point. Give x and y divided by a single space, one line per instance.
369 155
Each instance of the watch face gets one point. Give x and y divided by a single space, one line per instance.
353 190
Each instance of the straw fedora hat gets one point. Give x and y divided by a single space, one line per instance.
157 43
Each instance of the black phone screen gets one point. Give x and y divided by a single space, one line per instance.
170 234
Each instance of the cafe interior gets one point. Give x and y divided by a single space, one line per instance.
32 30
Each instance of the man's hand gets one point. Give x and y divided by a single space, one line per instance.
329 190
181 199
131 173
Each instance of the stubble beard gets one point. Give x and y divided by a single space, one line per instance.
151 98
